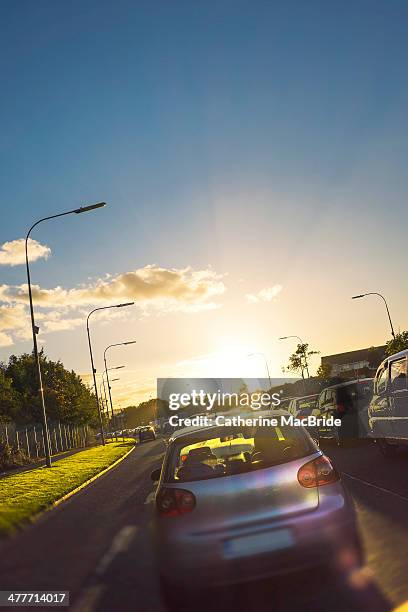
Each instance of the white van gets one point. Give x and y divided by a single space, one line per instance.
388 410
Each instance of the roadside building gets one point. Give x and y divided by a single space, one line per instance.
355 364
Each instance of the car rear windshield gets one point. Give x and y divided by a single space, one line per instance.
357 392
306 406
227 451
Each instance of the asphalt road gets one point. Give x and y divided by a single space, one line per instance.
97 545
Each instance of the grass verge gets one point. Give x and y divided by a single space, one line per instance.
24 495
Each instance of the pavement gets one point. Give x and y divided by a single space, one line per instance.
97 545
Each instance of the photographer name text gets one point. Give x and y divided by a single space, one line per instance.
255 421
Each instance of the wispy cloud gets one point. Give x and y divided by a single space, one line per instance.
5 339
267 294
13 253
152 288
14 324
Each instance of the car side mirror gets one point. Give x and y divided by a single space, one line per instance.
155 475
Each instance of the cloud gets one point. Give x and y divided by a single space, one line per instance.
14 324
166 289
13 253
152 288
5 339
268 294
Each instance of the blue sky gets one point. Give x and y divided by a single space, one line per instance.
265 139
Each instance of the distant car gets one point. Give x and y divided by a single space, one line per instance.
388 410
303 406
349 402
285 403
146 433
235 504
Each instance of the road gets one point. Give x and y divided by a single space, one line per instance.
97 544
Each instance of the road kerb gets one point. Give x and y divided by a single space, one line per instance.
85 484
42 514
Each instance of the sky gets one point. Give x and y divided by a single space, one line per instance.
253 158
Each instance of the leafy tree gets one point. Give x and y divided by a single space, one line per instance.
298 361
10 403
67 398
397 344
145 412
324 370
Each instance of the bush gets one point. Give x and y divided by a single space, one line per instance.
11 458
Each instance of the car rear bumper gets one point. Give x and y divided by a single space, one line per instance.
316 538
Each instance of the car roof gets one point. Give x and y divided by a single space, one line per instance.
403 353
349 382
185 431
302 397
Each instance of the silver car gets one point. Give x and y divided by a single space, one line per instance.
237 504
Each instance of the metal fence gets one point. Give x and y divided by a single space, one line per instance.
62 437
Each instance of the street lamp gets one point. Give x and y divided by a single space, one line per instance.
104 403
104 388
266 363
356 297
36 329
304 352
107 370
92 361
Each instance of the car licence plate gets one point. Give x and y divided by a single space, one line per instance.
257 544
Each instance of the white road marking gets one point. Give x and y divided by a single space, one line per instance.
150 498
89 599
120 543
370 484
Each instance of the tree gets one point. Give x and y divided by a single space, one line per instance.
145 412
298 359
10 403
67 398
397 344
324 370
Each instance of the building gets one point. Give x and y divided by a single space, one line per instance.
363 362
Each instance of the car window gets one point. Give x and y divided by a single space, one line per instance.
398 374
228 451
306 406
351 394
382 379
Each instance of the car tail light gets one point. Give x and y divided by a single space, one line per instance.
317 473
175 502
341 409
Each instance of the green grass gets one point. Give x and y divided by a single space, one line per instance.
24 495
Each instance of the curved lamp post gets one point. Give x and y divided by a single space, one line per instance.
266 363
107 372
36 329
356 297
102 386
92 361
